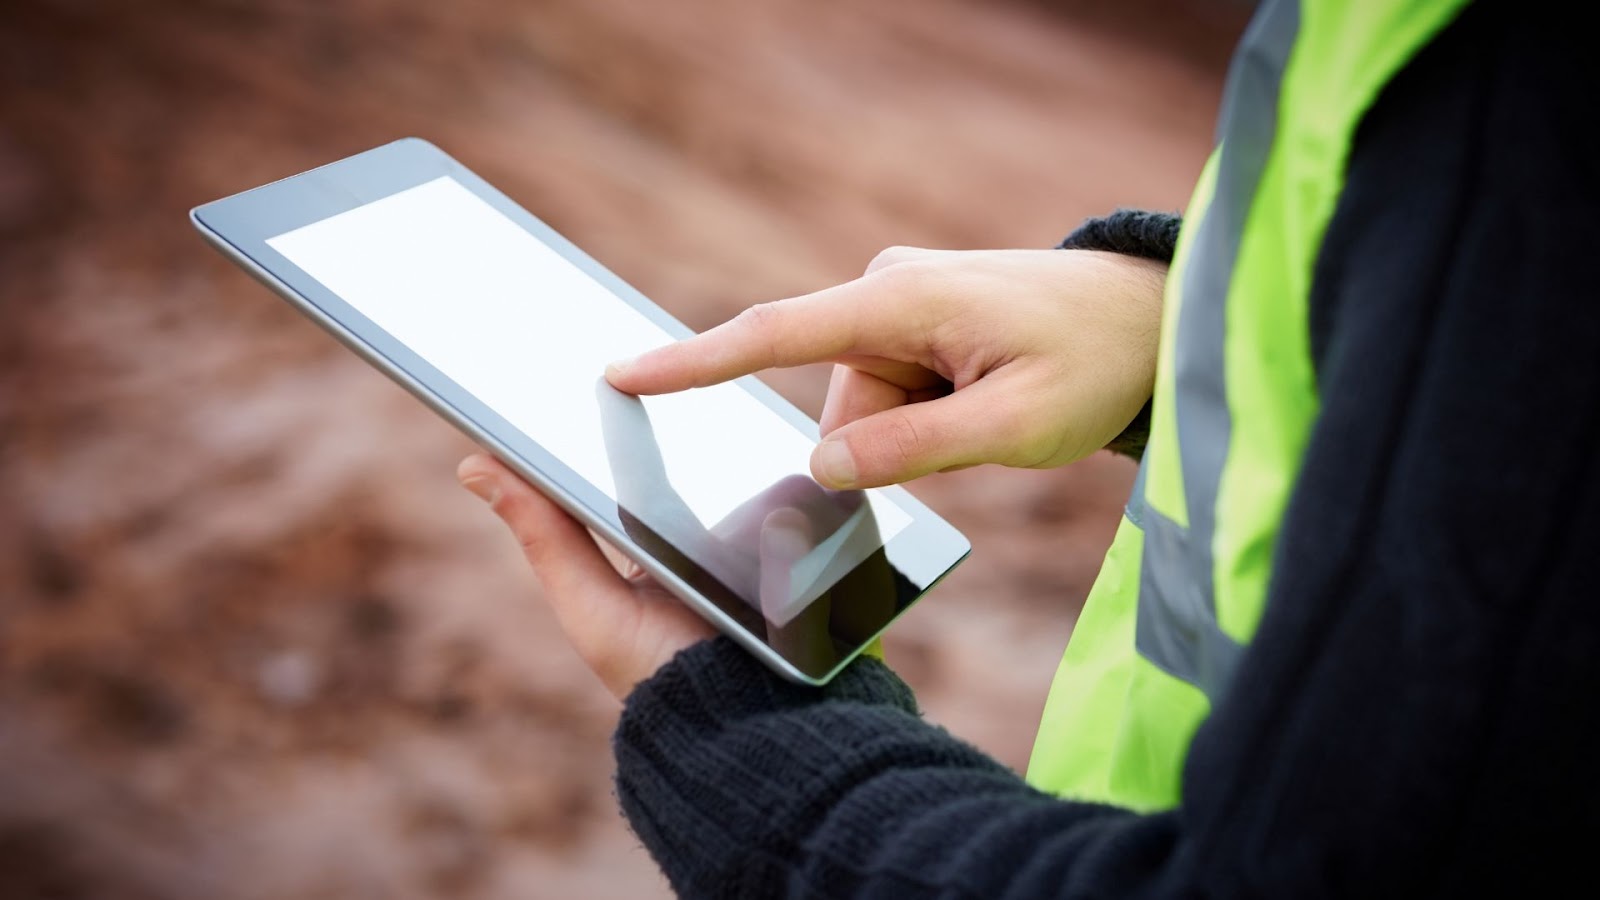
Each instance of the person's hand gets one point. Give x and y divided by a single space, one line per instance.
947 359
624 626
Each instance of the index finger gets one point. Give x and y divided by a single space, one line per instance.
848 318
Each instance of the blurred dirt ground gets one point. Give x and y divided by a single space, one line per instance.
254 642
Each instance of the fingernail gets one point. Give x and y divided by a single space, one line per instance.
487 489
836 464
619 367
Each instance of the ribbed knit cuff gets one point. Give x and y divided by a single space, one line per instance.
721 674
719 760
1131 232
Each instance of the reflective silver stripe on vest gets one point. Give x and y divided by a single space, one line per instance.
1177 624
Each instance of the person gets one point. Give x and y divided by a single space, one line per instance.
1346 642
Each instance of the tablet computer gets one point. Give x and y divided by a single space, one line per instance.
504 327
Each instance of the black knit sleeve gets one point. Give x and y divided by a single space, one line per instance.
743 785
1131 232
1417 716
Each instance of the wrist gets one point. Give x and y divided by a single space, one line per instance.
1139 233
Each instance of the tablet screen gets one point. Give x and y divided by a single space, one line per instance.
713 473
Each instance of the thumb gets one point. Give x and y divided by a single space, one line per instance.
965 428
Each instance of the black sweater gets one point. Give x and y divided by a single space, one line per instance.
1419 711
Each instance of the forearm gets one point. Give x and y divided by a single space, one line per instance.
743 785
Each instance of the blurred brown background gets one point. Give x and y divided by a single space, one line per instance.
254 642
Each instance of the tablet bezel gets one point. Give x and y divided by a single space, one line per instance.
920 554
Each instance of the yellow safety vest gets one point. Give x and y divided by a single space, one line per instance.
1185 581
